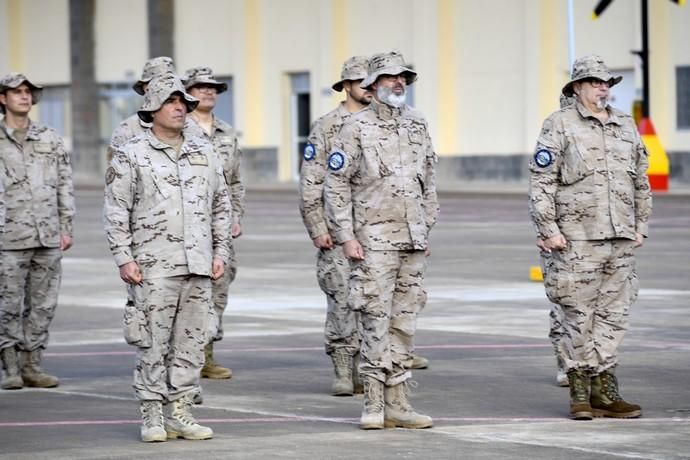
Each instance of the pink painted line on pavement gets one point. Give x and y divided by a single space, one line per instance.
245 421
293 349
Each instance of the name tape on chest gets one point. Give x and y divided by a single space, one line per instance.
336 161
309 152
543 158
198 160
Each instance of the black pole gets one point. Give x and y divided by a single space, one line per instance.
644 55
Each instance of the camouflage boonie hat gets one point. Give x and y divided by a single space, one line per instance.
355 68
202 76
160 89
591 66
14 80
390 63
153 67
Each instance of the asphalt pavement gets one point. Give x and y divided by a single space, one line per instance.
490 386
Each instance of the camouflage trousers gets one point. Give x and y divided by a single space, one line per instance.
387 288
29 286
342 322
220 297
176 313
594 283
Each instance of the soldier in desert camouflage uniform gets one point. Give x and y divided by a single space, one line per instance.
167 218
590 203
381 203
332 268
556 330
39 207
133 126
201 84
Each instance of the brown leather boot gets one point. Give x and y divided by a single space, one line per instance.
579 395
607 402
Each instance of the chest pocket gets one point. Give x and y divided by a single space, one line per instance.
623 149
12 166
575 166
152 188
45 159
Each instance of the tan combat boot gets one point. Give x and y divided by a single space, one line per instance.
607 402
211 369
342 363
399 413
372 414
357 386
32 373
152 425
181 424
419 362
579 383
10 362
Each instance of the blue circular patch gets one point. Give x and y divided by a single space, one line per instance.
336 161
309 152
543 158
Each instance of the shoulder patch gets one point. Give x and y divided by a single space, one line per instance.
543 158
336 161
309 151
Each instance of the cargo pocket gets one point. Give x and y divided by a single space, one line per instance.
135 323
559 283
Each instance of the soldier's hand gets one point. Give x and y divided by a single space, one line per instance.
236 230
217 269
639 240
427 252
555 243
353 250
130 273
540 245
323 241
65 242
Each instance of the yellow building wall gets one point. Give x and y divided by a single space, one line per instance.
489 72
121 40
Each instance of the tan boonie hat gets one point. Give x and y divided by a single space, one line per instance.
591 66
355 68
202 76
390 63
14 80
153 67
161 87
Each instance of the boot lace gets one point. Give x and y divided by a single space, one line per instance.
374 399
183 413
151 415
610 385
